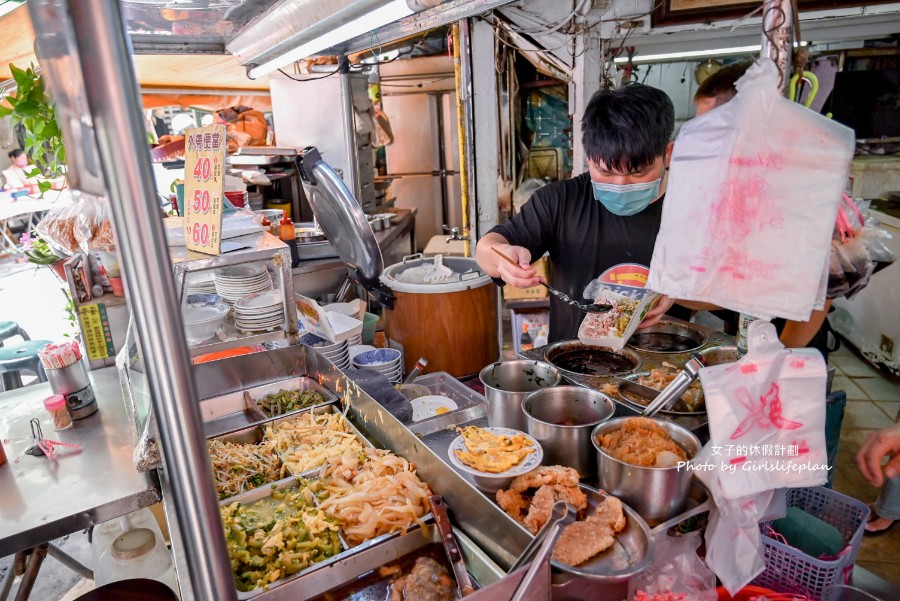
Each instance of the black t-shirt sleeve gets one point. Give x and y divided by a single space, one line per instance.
533 227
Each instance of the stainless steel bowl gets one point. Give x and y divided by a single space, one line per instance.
507 383
376 223
657 493
562 419
556 354
668 337
718 355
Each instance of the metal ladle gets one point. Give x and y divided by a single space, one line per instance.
587 308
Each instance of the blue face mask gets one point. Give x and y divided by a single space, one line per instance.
627 199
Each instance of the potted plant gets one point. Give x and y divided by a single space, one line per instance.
31 107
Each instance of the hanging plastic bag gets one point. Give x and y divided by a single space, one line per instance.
767 416
859 248
676 570
751 200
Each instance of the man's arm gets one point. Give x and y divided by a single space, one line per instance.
797 334
493 264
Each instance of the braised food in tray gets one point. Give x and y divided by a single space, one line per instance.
241 467
644 443
277 537
427 581
307 441
285 401
492 453
373 492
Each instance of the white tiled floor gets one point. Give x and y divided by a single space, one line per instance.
875 402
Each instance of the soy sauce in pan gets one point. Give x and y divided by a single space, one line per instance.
593 362
663 342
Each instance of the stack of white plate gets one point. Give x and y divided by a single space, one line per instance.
237 281
355 340
336 352
199 282
259 311
387 361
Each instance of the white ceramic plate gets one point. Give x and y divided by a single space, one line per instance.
528 463
243 271
261 300
428 406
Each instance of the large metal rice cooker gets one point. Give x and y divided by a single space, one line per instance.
451 323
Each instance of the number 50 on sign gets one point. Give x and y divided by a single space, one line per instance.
204 161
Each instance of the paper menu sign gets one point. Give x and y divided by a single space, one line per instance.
204 162
621 286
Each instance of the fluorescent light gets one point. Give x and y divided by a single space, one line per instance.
397 9
649 58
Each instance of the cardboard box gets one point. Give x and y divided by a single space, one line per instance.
542 267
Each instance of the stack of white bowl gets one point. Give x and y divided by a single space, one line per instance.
237 281
354 340
259 311
386 361
202 321
336 352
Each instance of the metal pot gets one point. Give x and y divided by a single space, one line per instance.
718 355
562 420
560 353
668 337
507 383
656 493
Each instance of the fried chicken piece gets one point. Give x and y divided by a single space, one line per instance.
514 503
539 513
583 540
552 474
545 497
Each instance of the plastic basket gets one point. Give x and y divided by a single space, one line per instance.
793 571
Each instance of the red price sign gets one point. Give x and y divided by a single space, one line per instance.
203 160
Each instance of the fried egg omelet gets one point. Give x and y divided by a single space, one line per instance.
493 453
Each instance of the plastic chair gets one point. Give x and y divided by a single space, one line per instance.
21 356
9 329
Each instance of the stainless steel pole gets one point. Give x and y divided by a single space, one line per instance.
351 173
111 90
776 37
467 137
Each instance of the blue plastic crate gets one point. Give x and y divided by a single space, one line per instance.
790 570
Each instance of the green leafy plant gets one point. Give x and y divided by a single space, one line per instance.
40 253
31 107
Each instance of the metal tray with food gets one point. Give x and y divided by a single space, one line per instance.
239 409
637 390
243 461
277 534
378 572
305 439
289 396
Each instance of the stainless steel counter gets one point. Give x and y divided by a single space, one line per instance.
41 500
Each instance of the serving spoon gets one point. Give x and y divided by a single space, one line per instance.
587 308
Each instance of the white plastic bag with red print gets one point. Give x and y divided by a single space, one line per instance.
767 417
753 191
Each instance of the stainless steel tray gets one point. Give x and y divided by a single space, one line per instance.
231 412
438 433
318 409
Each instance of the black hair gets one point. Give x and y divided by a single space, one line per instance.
721 84
629 128
16 152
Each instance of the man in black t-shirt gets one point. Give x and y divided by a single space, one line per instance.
598 219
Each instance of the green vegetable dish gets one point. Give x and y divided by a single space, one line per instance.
285 401
277 537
